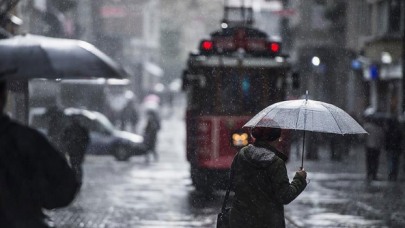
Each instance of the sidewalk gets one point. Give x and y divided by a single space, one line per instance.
339 196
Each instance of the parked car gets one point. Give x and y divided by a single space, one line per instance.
104 138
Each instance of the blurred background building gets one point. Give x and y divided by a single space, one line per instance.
346 52
376 34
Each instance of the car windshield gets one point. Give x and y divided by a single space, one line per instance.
101 119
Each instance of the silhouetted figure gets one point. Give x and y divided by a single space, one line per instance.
311 145
150 134
33 175
393 146
130 115
375 141
76 138
340 146
261 182
55 126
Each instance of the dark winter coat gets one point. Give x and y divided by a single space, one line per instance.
33 176
394 136
151 130
76 138
262 188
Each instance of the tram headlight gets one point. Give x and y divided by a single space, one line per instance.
240 139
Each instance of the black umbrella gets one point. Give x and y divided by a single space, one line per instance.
32 56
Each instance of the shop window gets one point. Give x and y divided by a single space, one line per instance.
389 17
394 21
364 18
382 18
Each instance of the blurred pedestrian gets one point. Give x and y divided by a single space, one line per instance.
375 142
311 145
55 126
150 134
76 139
33 174
261 182
340 146
393 147
130 115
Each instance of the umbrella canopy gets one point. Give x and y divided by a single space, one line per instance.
32 56
307 115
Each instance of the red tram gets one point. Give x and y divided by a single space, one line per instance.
235 74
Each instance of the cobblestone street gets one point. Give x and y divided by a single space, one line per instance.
160 194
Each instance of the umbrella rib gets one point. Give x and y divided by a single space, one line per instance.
266 114
298 117
333 118
48 59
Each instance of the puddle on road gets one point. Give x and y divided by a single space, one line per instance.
334 220
321 207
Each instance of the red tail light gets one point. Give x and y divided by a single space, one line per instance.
274 47
207 45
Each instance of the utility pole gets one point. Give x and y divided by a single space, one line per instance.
403 58
284 29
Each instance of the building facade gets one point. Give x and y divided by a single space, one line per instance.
320 54
376 34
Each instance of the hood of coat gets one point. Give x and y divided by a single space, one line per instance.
256 157
4 122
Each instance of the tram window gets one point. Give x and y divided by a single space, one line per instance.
229 93
203 98
252 90
273 93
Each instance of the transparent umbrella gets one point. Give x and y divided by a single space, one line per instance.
306 115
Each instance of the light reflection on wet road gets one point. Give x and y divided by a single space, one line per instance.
160 194
140 194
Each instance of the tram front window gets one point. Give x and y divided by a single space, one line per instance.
252 92
240 92
229 93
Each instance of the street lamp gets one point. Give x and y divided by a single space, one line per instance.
386 58
316 61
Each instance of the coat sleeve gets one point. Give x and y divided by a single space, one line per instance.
284 191
59 179
55 181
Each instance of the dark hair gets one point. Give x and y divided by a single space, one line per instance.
2 86
3 95
265 133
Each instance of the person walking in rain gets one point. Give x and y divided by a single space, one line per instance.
55 127
375 141
393 147
150 135
33 174
76 138
261 184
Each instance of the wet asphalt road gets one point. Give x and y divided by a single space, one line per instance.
160 194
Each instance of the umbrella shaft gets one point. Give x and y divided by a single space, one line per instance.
303 147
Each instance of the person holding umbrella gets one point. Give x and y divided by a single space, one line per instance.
261 184
258 172
34 175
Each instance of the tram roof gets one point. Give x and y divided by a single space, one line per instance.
230 31
234 61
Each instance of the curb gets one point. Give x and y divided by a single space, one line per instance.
292 222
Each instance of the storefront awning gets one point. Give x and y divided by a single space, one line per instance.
153 69
391 71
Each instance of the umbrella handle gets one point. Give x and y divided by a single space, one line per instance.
303 147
